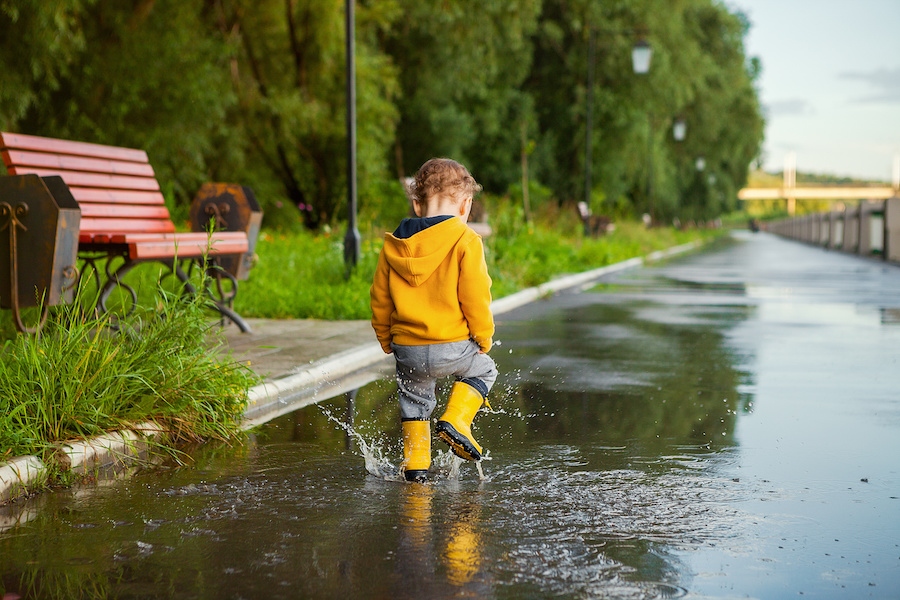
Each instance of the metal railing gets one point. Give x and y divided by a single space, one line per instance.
871 228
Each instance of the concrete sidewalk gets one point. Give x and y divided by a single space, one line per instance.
304 361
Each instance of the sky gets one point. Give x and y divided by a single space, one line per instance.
830 83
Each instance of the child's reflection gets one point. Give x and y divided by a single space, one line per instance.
462 553
438 549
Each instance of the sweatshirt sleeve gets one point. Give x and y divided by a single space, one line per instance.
382 304
475 294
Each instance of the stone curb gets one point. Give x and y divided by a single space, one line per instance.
584 279
109 451
25 474
327 378
20 475
308 383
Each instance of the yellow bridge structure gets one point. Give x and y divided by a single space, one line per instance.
792 194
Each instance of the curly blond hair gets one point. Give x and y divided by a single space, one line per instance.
443 176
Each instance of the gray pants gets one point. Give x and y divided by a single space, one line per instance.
419 368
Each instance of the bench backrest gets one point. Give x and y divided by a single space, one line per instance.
115 187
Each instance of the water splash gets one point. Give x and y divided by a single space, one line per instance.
372 451
481 475
445 464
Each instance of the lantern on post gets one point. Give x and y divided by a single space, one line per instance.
641 54
679 129
352 238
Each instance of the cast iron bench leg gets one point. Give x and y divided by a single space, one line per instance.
220 304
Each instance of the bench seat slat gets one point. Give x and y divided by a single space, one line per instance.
189 236
99 225
95 180
87 195
137 237
57 146
184 249
41 160
129 211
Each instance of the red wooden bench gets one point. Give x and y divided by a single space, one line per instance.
123 213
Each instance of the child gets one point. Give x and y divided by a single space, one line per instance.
431 308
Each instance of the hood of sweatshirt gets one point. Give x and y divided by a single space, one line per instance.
418 246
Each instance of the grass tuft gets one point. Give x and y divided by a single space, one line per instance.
81 377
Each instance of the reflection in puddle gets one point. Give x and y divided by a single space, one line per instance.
607 462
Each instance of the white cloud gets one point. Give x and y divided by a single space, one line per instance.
886 83
788 108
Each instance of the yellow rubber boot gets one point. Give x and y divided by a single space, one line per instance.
416 450
455 426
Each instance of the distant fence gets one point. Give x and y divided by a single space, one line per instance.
872 228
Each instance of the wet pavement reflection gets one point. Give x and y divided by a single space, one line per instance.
725 425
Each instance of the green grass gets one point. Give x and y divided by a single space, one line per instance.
301 275
81 377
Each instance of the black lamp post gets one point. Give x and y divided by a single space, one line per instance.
351 240
640 60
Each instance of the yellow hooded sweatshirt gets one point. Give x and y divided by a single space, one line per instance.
432 287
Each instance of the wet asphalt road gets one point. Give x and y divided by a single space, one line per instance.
723 425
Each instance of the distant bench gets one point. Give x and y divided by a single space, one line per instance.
594 225
123 213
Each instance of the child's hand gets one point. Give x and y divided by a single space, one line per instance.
493 344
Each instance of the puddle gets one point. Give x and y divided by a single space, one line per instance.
717 439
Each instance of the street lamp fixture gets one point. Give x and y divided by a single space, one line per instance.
679 130
641 54
640 57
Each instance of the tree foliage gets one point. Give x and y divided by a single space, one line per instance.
40 43
461 66
234 90
143 78
698 72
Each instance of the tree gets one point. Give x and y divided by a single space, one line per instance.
212 89
461 67
234 90
698 64
726 107
288 74
41 41
144 78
